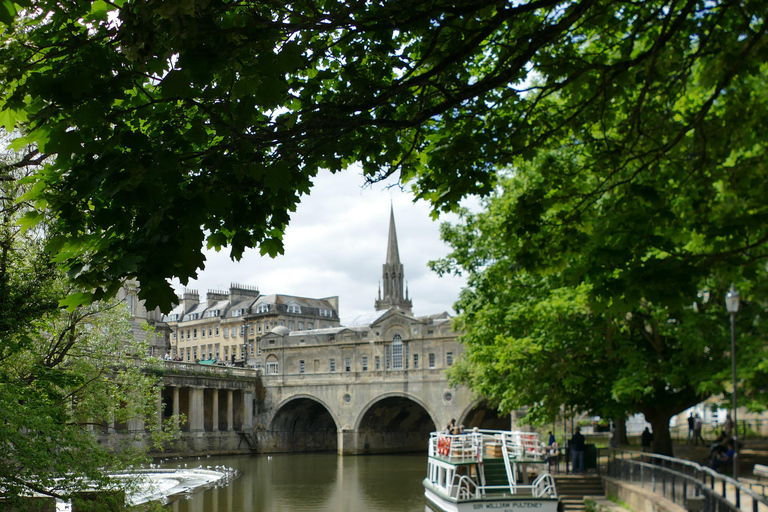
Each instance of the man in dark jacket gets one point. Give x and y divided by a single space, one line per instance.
577 449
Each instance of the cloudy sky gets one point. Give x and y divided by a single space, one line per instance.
336 244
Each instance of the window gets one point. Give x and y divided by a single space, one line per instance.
258 348
250 345
262 308
301 341
242 330
217 330
325 312
258 327
415 361
272 365
189 354
301 366
309 326
237 312
173 336
294 308
387 356
378 362
365 363
301 326
347 364
397 352
194 352
226 352
202 332
431 360
194 334
226 332
217 351
291 326
187 333
430 331
332 364
282 323
213 313
449 358
234 332
250 328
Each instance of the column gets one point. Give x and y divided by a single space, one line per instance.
196 410
230 410
176 410
247 411
215 410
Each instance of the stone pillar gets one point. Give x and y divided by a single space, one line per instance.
176 409
135 425
215 410
196 410
230 410
247 411
160 410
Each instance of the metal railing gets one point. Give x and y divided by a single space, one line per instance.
682 481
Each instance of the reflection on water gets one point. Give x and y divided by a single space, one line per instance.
313 482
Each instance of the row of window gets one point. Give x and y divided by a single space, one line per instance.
214 352
191 333
273 368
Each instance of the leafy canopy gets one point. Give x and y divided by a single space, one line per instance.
177 124
63 374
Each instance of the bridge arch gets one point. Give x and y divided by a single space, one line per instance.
304 423
394 422
480 414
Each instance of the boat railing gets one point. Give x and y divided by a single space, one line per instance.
464 488
474 443
544 485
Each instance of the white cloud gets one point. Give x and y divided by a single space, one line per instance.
336 244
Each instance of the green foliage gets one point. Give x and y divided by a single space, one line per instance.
173 125
63 374
547 325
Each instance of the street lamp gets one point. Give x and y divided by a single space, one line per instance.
732 305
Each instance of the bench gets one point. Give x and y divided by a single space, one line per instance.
760 470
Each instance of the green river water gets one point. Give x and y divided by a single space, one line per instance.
311 482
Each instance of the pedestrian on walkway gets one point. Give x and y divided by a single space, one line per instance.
645 440
690 429
697 424
577 451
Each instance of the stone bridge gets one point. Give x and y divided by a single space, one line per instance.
239 410
236 409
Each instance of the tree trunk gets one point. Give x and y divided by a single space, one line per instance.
620 432
662 440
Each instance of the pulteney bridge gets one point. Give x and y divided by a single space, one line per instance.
236 409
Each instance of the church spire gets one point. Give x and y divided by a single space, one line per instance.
393 277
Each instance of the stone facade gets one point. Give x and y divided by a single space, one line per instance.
228 325
159 333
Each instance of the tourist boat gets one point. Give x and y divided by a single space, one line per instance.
489 470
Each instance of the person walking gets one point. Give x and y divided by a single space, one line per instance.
645 440
690 429
577 451
697 424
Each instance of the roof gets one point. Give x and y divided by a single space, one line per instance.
291 299
365 319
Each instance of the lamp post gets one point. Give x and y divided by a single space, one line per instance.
732 305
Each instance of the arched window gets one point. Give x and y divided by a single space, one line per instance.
397 352
272 365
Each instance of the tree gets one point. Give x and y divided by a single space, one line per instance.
543 328
175 124
63 374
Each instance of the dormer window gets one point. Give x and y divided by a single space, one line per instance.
294 308
325 312
262 308
237 312
214 313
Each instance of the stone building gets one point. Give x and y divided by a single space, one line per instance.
390 339
159 332
227 325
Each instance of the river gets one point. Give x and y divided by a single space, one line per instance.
316 482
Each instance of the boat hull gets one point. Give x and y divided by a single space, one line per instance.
439 502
